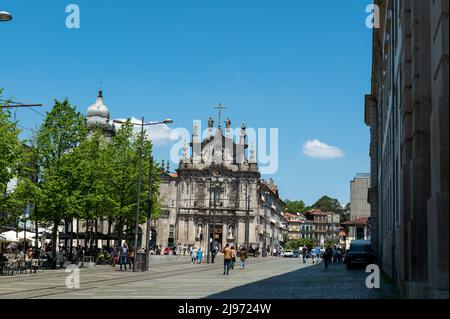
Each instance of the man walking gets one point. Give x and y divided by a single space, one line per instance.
123 256
227 256
304 252
214 249
243 257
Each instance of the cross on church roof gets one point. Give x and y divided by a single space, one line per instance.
220 107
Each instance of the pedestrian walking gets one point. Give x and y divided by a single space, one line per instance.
214 249
123 256
327 256
318 253
339 255
74 255
233 257
131 258
334 254
199 255
313 256
243 257
227 256
193 255
304 252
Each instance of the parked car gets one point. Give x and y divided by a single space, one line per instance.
288 253
296 254
360 253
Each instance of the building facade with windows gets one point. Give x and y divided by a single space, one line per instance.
407 112
271 221
320 226
359 188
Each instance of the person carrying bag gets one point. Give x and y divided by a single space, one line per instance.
233 257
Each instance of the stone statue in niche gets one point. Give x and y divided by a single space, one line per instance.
199 231
230 232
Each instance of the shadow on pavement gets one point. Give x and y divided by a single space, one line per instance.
312 282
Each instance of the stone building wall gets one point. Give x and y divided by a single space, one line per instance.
407 112
359 187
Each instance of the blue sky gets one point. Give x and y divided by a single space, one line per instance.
300 66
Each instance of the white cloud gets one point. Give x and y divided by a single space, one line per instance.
317 149
159 134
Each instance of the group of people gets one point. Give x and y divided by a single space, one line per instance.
123 256
318 254
196 255
229 258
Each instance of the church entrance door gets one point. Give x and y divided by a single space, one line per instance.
218 234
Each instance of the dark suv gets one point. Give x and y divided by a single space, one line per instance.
360 253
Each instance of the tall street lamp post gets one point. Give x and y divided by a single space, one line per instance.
216 183
217 189
247 214
138 206
149 214
265 205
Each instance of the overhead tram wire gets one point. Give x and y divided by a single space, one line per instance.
26 128
18 104
21 105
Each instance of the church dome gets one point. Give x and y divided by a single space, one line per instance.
98 108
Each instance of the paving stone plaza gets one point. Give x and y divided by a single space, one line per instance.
268 278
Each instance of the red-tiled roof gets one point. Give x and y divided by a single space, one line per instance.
315 211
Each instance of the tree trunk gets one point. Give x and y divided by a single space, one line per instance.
66 230
36 230
120 225
78 230
109 232
71 235
95 234
90 236
54 235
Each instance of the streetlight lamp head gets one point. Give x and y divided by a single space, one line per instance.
168 121
5 16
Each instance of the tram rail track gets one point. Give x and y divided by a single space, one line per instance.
111 281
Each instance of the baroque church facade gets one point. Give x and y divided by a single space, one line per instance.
216 192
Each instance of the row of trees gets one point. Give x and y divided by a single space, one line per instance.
325 204
295 244
64 172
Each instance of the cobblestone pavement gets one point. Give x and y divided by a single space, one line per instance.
282 278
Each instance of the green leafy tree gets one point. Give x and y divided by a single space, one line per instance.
10 148
63 129
328 204
296 244
28 192
294 206
123 154
92 197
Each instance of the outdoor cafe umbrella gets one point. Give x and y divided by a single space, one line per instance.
12 236
29 236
